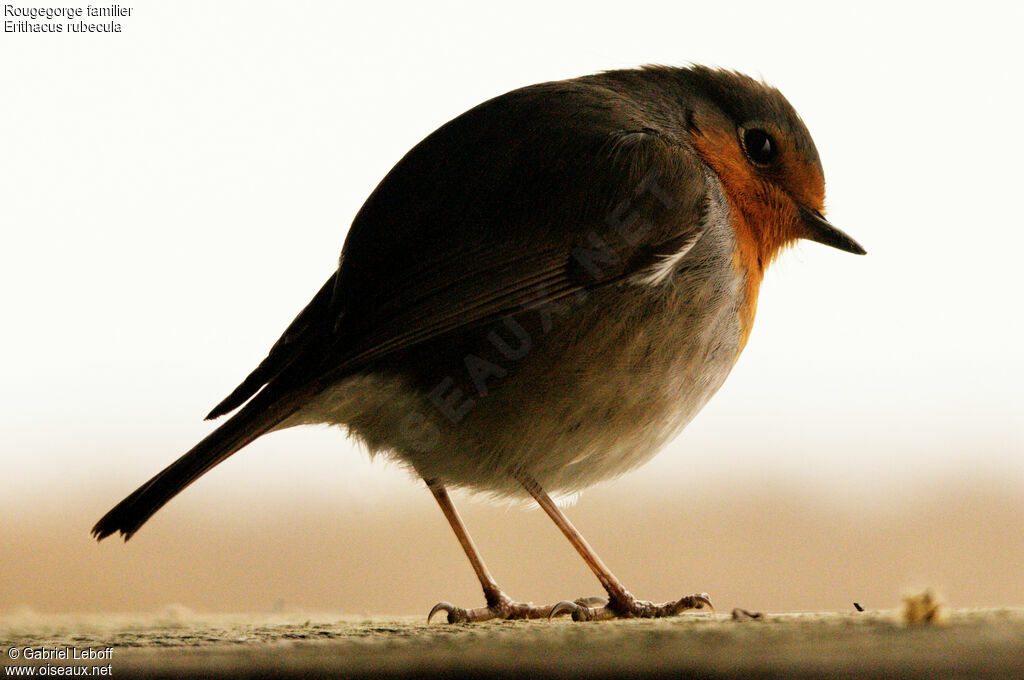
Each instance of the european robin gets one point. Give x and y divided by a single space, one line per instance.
540 295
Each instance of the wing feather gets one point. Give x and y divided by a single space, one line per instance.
446 242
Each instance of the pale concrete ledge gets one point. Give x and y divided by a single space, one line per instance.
873 644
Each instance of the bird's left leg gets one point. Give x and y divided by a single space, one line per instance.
621 603
499 605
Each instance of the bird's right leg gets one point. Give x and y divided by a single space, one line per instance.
499 605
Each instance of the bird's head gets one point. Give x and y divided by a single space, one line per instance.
756 143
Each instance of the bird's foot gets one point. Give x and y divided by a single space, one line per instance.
501 607
628 607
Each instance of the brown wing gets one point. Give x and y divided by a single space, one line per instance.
541 189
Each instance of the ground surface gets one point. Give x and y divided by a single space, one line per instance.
970 644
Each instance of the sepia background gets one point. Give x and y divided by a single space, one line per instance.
171 196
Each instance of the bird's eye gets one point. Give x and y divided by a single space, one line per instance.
760 146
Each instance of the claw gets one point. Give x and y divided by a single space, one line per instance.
701 601
693 602
443 607
563 607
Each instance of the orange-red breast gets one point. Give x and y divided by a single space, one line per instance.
540 295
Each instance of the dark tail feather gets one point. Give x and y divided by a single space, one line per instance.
258 417
303 330
250 386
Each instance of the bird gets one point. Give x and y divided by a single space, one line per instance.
539 296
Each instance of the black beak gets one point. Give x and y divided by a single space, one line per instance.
817 228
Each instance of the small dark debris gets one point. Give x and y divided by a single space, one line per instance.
743 615
856 605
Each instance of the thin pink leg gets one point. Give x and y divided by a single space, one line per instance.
621 604
499 605
492 593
